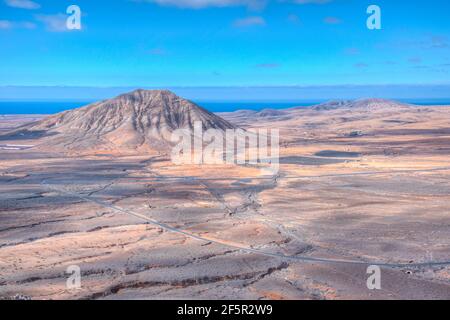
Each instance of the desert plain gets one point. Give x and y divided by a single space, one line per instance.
360 183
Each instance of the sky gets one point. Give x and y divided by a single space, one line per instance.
224 43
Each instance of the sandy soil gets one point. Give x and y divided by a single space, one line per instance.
141 228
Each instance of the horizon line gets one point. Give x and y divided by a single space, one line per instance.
230 86
237 93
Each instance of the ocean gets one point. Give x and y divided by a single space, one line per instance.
51 107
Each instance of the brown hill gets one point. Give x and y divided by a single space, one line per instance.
139 120
357 109
368 104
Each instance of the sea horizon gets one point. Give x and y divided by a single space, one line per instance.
48 107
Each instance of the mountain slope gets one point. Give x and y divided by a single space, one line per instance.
140 119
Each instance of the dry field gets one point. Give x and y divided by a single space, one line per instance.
357 186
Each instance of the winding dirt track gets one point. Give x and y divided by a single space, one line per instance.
249 249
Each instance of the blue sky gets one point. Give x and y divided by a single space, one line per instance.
161 43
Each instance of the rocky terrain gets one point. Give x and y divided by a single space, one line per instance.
360 183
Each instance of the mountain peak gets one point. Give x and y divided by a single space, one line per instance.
374 103
146 92
143 94
133 120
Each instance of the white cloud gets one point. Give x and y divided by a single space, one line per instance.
415 60
27 25
249 21
332 20
157 52
312 1
23 4
268 65
293 18
53 22
361 65
5 24
352 51
199 4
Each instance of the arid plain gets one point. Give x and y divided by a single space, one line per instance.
360 183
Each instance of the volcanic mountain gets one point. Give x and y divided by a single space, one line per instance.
139 120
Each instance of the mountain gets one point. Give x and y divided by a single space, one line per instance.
369 104
332 105
139 120
271 113
337 110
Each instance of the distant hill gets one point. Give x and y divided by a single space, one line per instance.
372 104
340 106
